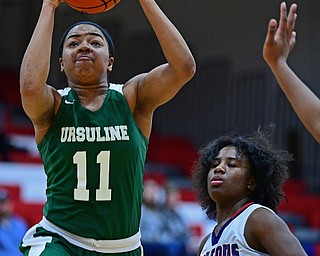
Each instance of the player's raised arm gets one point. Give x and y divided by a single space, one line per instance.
280 40
163 82
147 91
38 98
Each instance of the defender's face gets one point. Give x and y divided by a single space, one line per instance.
229 176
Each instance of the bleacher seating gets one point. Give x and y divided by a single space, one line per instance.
172 150
301 202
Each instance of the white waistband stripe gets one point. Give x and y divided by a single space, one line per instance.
104 246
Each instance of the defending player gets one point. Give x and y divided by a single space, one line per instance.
238 180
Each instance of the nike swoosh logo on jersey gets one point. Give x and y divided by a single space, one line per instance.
68 102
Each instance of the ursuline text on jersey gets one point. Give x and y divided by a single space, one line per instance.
94 134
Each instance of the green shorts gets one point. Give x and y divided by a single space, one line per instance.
45 243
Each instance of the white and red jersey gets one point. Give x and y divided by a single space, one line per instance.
231 241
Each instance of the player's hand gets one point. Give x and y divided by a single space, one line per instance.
280 39
54 3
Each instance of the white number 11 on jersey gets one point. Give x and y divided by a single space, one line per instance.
81 193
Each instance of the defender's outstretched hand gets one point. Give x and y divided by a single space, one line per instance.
280 39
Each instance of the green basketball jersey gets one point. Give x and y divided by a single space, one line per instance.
94 162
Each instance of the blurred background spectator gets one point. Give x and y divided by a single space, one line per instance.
175 229
162 228
12 227
151 223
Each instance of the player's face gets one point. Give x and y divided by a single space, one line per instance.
85 57
229 177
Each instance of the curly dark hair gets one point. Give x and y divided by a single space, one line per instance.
268 166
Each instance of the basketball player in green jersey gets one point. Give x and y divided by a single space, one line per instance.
93 135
